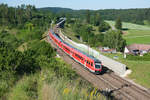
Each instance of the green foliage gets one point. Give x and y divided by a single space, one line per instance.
118 24
41 48
14 63
97 20
104 26
9 38
145 57
9 61
29 26
85 31
25 89
113 39
59 88
24 16
137 15
26 35
88 16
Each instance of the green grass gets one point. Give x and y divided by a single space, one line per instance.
69 33
95 30
25 89
47 86
132 33
138 40
55 88
126 25
137 36
136 33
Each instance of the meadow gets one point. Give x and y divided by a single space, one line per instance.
134 33
131 26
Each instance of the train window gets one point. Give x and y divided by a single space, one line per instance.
87 62
78 56
91 64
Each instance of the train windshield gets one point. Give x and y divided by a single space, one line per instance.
97 65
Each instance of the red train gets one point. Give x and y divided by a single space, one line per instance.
88 61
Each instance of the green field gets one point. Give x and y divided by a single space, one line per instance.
137 36
135 33
126 25
139 40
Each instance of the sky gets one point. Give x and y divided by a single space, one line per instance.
82 4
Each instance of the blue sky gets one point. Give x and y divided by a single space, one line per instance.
82 4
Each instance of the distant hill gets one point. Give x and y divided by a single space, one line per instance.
138 15
56 9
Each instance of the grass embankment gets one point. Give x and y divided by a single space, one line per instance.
51 85
140 69
70 34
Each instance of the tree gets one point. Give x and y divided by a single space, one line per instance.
103 27
118 24
29 26
88 16
113 39
97 19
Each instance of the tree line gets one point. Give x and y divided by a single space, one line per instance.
24 16
138 16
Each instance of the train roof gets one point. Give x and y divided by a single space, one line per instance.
90 56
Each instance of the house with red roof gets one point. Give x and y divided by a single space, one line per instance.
137 49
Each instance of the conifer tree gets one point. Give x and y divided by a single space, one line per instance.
118 24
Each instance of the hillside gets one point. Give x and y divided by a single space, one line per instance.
138 16
56 9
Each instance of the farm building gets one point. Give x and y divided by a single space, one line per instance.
107 50
136 49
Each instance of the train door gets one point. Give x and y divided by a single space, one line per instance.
88 63
85 62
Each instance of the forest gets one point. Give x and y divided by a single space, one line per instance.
138 15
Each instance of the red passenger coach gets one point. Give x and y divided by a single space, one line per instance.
88 61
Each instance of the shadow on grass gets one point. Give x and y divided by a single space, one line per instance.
124 29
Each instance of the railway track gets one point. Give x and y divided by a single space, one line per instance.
140 92
108 83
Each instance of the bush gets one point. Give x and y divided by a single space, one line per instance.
25 89
103 27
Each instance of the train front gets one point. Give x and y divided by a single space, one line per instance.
98 67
